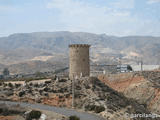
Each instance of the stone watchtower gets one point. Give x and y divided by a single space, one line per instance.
79 60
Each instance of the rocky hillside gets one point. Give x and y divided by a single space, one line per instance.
143 87
26 46
90 95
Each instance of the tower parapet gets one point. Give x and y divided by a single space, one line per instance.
79 45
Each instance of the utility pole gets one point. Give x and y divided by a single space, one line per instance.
120 64
73 89
141 65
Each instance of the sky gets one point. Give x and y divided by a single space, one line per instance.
110 17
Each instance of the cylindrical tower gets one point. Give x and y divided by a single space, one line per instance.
79 60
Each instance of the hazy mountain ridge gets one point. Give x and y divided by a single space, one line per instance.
22 47
51 40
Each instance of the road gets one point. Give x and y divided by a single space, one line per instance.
63 111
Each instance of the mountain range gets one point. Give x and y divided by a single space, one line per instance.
52 47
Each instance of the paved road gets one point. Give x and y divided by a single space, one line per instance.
63 111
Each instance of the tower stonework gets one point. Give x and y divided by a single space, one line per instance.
79 64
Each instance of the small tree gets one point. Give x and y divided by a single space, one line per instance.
34 114
5 72
129 68
74 118
10 85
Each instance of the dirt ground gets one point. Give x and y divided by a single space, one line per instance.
11 118
33 81
136 86
120 82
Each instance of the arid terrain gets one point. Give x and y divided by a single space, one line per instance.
16 112
79 59
42 51
144 87
91 95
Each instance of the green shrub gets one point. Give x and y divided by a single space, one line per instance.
74 118
34 114
10 85
30 84
6 111
90 107
30 91
4 84
21 93
17 85
47 82
95 108
35 85
99 109
62 80
46 89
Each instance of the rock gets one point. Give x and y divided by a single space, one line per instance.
43 117
9 93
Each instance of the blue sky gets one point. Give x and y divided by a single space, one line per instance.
112 17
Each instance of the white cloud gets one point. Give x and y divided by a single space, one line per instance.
153 1
124 4
76 15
